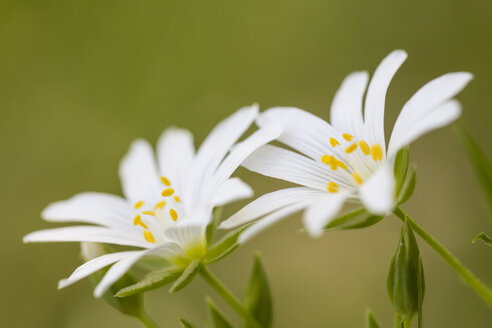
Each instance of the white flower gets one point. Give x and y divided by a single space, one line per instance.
167 204
346 160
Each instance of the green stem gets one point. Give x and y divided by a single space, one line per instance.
228 297
147 320
479 287
398 319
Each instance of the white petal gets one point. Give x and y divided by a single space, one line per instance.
189 236
138 173
87 233
378 193
320 213
302 131
243 149
376 95
284 164
427 98
214 148
92 266
91 207
268 221
175 151
121 267
346 109
271 202
437 118
229 191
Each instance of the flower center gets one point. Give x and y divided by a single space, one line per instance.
355 158
163 211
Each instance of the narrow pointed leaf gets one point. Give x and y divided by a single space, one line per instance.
257 299
483 236
215 318
371 321
185 323
186 277
401 167
408 186
224 246
132 305
421 290
481 163
353 220
152 280
403 277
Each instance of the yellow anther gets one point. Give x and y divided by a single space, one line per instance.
351 148
138 204
149 213
357 177
166 181
341 164
347 136
138 221
364 147
149 236
176 199
334 142
160 205
332 187
376 152
329 160
167 192
173 214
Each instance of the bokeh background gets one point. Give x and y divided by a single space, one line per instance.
79 80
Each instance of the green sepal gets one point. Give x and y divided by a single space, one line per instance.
408 186
187 276
480 161
225 246
401 167
257 298
483 236
185 323
132 305
371 321
152 280
215 318
212 225
403 276
353 220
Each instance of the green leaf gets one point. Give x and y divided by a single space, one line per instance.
408 186
152 280
224 246
132 305
257 299
403 277
371 321
215 318
483 236
212 226
353 220
401 167
185 323
480 161
421 289
187 276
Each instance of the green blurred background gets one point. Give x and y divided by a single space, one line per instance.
79 80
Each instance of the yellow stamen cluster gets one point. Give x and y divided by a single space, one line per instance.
375 151
332 187
137 220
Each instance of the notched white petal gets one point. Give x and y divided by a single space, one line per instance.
378 193
321 212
